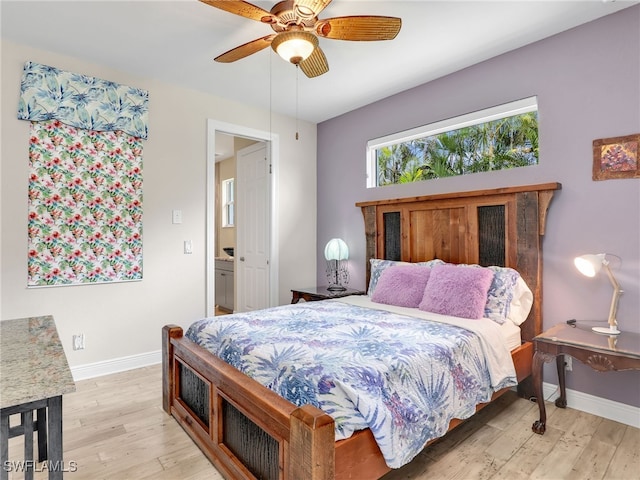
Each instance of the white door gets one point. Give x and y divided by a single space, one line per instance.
252 227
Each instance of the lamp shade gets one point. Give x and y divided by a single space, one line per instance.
336 249
590 264
294 46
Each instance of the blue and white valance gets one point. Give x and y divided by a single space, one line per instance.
90 103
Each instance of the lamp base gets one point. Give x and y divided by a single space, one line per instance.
336 288
606 330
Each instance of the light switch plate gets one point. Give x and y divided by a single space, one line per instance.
188 247
176 216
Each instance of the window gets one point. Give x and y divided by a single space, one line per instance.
497 138
228 216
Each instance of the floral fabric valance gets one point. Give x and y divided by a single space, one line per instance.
48 93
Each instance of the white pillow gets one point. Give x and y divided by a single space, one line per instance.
521 303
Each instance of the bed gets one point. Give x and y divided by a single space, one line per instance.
249 431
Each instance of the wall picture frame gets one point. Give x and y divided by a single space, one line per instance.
616 157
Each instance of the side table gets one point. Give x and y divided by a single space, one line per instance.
34 374
602 353
313 294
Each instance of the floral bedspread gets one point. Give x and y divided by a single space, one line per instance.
404 378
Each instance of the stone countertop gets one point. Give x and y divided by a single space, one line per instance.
33 365
224 259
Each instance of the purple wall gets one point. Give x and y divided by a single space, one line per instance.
587 81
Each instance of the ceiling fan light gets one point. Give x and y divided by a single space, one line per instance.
294 46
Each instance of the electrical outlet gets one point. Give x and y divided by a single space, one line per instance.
568 363
78 341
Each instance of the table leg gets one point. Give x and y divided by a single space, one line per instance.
54 447
26 418
296 297
561 401
42 434
4 446
539 359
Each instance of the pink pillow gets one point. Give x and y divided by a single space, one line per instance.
401 285
457 291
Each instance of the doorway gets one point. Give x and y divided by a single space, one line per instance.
272 145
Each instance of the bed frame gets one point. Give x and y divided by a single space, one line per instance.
249 432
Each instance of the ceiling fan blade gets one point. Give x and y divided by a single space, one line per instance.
316 64
245 50
365 27
244 9
316 6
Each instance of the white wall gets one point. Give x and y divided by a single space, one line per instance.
125 319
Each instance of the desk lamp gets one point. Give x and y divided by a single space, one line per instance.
336 253
589 265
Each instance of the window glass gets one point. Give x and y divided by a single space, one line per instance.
498 138
228 219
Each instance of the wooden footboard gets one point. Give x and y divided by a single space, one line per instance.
248 431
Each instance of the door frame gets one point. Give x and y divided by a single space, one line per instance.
273 143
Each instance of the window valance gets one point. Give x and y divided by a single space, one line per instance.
81 101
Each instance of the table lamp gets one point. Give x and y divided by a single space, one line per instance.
336 253
589 265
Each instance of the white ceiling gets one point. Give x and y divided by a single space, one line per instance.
176 41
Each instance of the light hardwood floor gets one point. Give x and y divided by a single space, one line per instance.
115 428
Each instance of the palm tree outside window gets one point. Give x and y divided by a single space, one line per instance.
498 138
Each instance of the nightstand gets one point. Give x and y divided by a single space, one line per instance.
313 294
603 353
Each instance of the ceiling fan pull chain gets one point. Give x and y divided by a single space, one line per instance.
270 98
297 81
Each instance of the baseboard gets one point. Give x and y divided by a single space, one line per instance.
107 367
616 411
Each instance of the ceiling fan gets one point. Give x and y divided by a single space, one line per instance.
297 28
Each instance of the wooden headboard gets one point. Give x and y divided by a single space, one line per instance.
502 226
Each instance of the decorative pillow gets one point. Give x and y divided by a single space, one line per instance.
457 291
521 302
401 285
509 296
378 266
